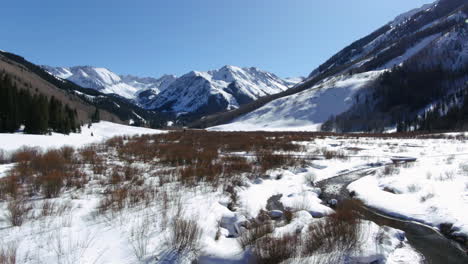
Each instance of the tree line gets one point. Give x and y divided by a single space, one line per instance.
36 112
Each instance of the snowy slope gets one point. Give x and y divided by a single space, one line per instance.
96 133
305 110
106 81
405 17
431 36
401 34
223 89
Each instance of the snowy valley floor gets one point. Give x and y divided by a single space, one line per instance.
220 197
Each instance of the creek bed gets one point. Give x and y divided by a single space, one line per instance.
436 248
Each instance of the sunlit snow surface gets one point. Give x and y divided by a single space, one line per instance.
106 81
304 111
439 171
96 133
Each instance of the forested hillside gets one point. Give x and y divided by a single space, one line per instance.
427 92
35 111
113 107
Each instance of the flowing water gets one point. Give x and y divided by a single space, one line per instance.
436 248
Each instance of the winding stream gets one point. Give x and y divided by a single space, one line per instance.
429 242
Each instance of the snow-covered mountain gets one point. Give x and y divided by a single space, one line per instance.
217 90
195 92
425 41
106 81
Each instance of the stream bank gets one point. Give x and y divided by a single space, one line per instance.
429 242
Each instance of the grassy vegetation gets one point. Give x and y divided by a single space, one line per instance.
126 170
188 157
338 233
136 173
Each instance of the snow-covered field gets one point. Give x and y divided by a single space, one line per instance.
77 227
434 190
96 133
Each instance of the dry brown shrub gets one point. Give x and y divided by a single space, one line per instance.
235 165
8 253
76 178
268 160
185 235
51 160
249 237
271 250
53 208
389 170
115 176
131 173
17 211
10 186
339 232
52 183
332 154
118 198
25 154
67 153
23 159
3 157
88 154
35 172
115 142
191 175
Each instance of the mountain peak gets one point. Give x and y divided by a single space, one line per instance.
191 92
216 92
228 67
403 18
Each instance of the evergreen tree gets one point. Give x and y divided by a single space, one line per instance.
9 111
96 117
55 114
37 113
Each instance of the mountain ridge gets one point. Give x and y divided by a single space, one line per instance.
411 35
213 91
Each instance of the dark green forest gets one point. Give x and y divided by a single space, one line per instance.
38 113
399 97
450 114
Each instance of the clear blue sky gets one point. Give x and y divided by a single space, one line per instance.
153 37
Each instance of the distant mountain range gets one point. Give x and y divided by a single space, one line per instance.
105 81
410 74
195 93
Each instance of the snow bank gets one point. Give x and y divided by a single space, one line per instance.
4 168
377 244
433 192
294 190
98 132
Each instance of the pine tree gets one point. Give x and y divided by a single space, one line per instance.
38 116
9 111
55 114
96 117
37 113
